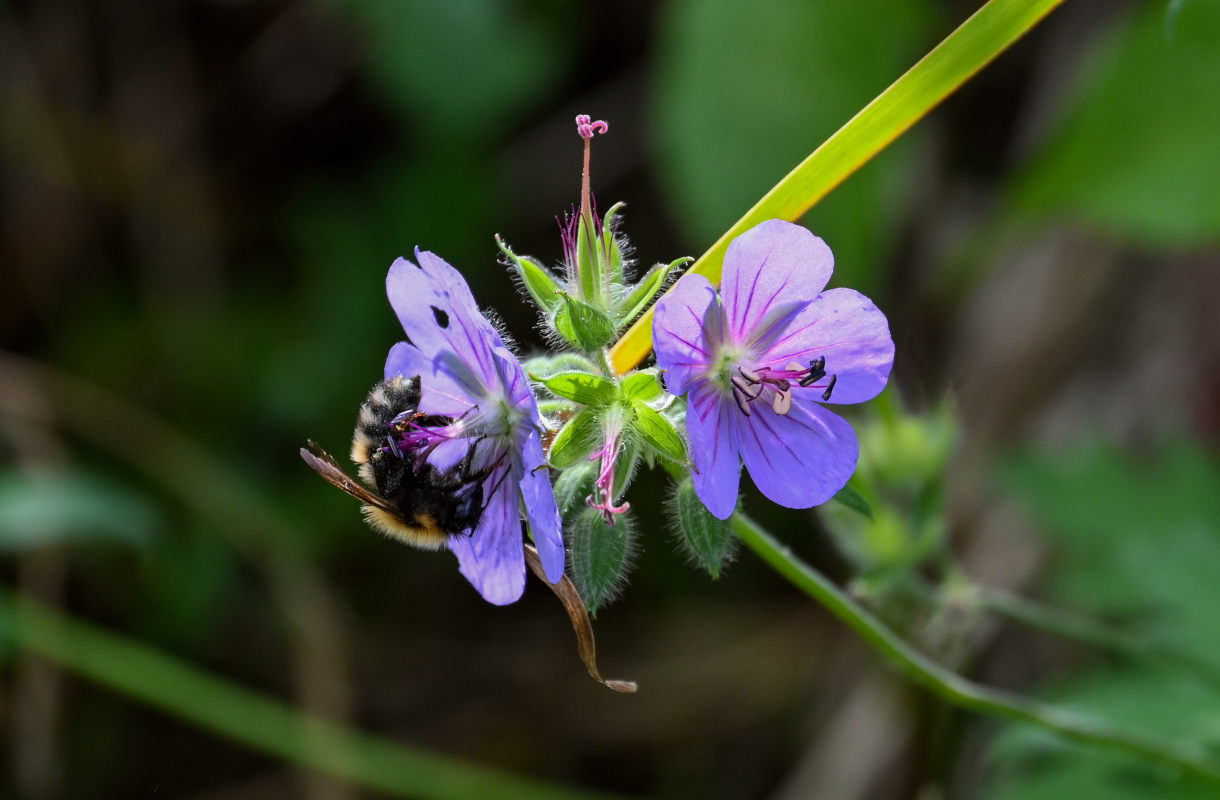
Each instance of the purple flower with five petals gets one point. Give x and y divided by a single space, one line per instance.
468 374
756 361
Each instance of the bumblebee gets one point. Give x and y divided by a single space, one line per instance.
407 498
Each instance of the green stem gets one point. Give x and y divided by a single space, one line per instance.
957 690
1080 628
255 720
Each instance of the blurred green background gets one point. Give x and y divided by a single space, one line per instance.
198 203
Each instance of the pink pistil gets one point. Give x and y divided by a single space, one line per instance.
586 127
603 498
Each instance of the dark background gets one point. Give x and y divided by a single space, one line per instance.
198 203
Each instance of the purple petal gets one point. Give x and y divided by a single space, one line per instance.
438 313
540 508
717 469
799 459
492 558
686 331
441 394
774 261
854 336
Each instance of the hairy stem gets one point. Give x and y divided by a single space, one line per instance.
957 690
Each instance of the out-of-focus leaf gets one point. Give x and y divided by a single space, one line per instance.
982 37
70 506
506 57
1032 765
1136 537
749 89
1138 152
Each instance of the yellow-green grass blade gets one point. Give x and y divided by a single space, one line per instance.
951 63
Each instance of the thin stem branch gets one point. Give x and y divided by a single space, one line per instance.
957 690
1070 625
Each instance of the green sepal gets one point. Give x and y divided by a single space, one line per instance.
581 387
612 243
559 362
590 271
573 485
575 440
586 327
625 469
641 387
541 286
601 555
708 541
646 289
659 433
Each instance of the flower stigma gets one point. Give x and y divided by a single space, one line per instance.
602 498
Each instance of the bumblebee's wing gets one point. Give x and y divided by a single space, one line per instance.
325 465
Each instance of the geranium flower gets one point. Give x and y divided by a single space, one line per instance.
756 361
468 374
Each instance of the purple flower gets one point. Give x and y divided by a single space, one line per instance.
469 375
756 359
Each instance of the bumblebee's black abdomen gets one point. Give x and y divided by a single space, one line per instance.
429 503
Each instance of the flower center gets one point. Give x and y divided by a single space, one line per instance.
776 384
413 435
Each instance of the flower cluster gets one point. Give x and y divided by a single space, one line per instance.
742 376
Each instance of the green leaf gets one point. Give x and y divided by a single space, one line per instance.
70 506
601 555
852 499
581 387
977 41
641 386
584 326
1136 151
659 433
708 541
541 286
576 440
646 289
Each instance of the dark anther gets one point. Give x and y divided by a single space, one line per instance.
394 447
742 385
442 318
741 398
830 387
817 371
